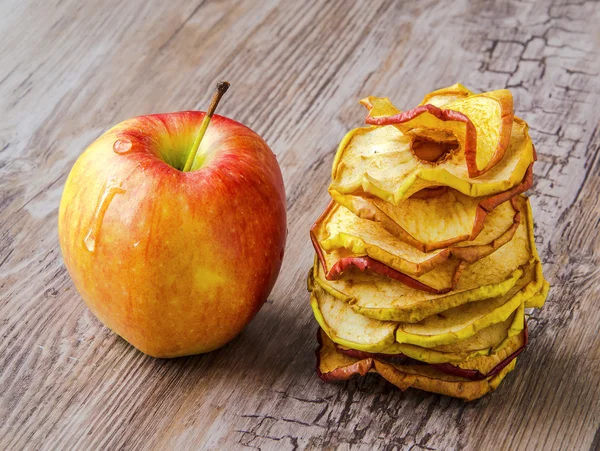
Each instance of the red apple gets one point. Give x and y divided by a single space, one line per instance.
175 262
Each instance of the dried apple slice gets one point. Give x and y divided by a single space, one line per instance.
448 274
340 230
348 328
484 366
375 294
493 338
495 107
459 217
435 355
485 342
439 355
332 365
439 280
539 299
356 331
481 124
379 161
465 320
379 107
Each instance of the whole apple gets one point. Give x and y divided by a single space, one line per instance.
176 263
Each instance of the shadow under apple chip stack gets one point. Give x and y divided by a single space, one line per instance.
425 259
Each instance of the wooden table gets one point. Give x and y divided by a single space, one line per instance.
71 69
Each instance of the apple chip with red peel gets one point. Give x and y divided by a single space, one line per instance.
343 266
481 124
481 367
399 358
443 274
439 355
338 232
333 365
379 161
373 290
379 107
460 217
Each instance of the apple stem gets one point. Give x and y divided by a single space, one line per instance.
222 88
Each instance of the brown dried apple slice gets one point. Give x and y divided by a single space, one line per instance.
334 366
459 217
379 161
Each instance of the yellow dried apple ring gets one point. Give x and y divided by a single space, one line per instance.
379 161
356 331
491 340
346 327
466 320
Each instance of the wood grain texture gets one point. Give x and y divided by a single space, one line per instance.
72 69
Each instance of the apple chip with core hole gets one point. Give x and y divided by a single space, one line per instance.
380 161
478 126
333 365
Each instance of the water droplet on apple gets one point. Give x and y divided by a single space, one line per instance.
110 188
122 145
90 242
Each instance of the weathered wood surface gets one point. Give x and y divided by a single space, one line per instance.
71 69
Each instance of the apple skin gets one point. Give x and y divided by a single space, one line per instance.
176 263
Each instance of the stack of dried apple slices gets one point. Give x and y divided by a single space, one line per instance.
425 259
